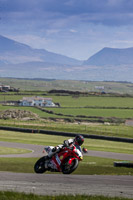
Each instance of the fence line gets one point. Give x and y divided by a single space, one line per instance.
27 130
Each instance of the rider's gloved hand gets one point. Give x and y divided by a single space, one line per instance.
60 146
66 143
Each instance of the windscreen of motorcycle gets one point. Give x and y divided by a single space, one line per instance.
78 151
48 148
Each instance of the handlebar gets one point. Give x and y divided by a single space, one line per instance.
71 148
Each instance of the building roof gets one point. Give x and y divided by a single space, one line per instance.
129 122
30 99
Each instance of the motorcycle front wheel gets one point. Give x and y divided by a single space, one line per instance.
67 168
39 166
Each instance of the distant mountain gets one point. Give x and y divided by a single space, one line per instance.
111 56
13 52
21 61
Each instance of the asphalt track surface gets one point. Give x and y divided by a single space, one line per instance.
54 184
37 152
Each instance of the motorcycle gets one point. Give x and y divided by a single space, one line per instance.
65 161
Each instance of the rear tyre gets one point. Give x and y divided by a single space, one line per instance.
67 168
39 166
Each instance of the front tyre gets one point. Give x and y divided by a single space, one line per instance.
39 166
69 168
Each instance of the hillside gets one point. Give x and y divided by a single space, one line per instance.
21 61
12 52
111 56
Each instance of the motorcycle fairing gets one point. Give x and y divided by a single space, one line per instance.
57 162
58 158
71 160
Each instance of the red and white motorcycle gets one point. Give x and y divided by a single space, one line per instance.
65 161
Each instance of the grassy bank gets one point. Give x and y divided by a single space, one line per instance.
86 128
23 196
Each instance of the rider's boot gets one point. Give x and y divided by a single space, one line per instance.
48 164
51 153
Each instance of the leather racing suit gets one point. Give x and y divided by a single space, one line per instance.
67 143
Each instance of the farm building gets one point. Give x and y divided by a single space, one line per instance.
129 122
36 101
7 88
99 87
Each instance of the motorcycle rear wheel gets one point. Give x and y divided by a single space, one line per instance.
39 166
67 168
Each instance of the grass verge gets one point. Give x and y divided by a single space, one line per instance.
89 166
7 150
43 139
23 196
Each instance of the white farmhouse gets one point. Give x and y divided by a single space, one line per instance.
99 87
36 101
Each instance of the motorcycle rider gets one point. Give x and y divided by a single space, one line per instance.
77 141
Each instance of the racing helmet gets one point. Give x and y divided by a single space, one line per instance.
79 139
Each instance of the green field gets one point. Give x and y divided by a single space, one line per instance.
76 112
90 112
94 101
42 85
78 102
108 107
91 109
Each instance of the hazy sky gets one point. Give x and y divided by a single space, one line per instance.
76 28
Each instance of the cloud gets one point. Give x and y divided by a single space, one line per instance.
108 12
31 40
73 31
